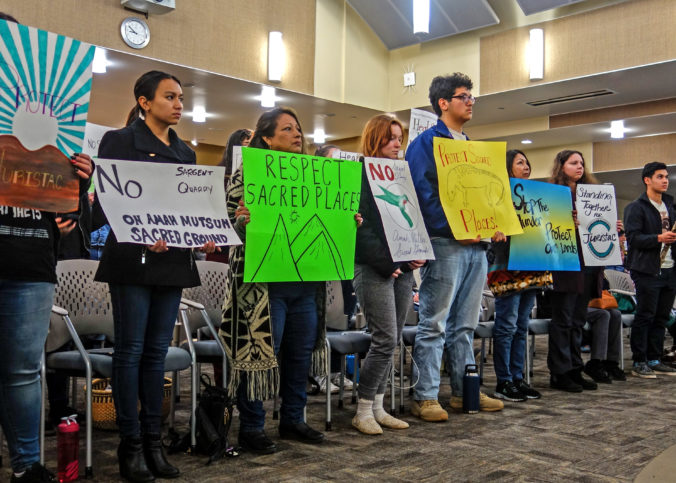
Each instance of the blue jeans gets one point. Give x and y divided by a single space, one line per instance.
450 301
144 317
510 332
24 321
293 310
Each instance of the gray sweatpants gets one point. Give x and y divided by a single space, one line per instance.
606 328
385 303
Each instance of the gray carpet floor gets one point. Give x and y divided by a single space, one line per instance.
609 434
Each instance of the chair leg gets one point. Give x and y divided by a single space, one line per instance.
402 349
327 368
172 402
194 381
342 379
482 360
356 378
89 472
393 399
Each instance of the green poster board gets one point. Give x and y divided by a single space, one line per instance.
302 224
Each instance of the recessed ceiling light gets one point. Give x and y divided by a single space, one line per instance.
194 142
268 97
617 129
319 136
199 114
526 141
100 62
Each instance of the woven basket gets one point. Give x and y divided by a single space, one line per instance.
103 408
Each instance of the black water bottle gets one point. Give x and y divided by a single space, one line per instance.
470 389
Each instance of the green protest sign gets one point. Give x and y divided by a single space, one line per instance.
302 224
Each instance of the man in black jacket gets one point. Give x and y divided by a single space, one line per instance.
648 222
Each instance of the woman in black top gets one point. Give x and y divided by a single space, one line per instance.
145 283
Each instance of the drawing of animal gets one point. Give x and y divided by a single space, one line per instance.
396 200
464 180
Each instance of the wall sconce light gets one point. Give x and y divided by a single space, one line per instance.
319 136
421 16
199 114
100 62
536 54
276 57
617 129
268 97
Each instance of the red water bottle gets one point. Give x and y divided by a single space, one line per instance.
68 449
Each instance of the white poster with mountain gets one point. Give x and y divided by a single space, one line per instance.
45 81
394 194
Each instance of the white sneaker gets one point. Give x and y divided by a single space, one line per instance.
347 384
321 381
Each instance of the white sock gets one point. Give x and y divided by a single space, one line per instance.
364 409
378 410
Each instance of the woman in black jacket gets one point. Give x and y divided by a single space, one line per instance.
383 287
145 283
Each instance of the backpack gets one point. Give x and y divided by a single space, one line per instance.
213 420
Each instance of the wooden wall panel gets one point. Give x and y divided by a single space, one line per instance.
619 36
634 152
663 106
227 37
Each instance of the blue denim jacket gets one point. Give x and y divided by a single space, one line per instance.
420 157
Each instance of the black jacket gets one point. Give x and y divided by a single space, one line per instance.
642 224
372 248
121 262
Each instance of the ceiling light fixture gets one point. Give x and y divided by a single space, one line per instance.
536 54
319 136
526 141
194 142
421 16
617 129
100 62
276 57
199 114
268 97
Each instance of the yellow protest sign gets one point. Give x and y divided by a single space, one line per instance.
474 188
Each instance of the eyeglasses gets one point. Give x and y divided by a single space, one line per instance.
465 98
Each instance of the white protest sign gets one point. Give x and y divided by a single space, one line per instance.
178 203
350 156
92 138
236 158
420 121
597 214
392 188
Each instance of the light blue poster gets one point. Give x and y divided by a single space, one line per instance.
45 82
545 212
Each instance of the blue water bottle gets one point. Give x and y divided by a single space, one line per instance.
470 389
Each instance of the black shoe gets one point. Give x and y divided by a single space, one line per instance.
614 371
256 442
130 457
156 459
36 473
509 392
300 432
596 371
527 391
564 383
575 375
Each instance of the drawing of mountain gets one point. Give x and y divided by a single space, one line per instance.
306 245
319 249
278 254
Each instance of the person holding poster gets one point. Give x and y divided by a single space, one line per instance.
145 283
572 292
514 293
260 319
28 242
451 288
649 222
384 288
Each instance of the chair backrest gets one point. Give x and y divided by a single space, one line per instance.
87 302
619 280
335 306
210 293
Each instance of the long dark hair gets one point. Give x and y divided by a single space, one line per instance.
266 125
235 139
511 154
559 177
146 86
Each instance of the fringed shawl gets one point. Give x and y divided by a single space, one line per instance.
246 326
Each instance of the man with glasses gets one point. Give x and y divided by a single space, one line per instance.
452 284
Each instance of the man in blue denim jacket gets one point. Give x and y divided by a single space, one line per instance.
452 285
